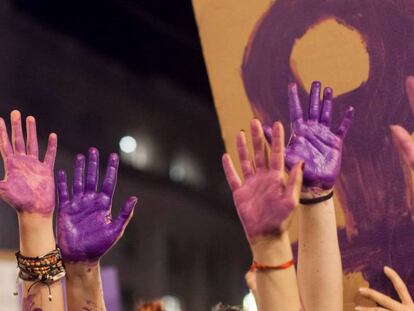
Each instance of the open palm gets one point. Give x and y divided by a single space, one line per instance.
264 201
28 184
312 140
86 230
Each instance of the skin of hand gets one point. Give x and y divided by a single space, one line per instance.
386 303
86 230
404 144
28 186
312 140
265 202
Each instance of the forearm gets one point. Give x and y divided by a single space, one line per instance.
84 287
319 258
276 289
37 239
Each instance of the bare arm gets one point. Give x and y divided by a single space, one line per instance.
319 268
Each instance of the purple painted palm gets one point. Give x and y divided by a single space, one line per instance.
312 140
86 230
28 184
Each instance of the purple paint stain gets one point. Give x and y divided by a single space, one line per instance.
29 304
86 230
372 184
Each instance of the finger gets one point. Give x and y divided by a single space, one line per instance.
78 174
92 174
346 123
245 163
63 193
124 217
109 183
51 150
32 144
5 146
379 298
17 132
232 177
404 143
258 144
399 285
409 87
294 183
277 154
358 308
326 111
267 130
295 110
314 105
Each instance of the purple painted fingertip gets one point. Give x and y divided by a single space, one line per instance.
267 130
316 84
93 151
327 93
293 87
79 158
61 175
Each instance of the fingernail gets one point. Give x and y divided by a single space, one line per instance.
358 308
362 290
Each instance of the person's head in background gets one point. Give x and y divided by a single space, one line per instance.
155 305
221 307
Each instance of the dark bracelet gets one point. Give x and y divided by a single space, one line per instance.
312 201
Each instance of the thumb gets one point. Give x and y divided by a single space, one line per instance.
125 215
294 183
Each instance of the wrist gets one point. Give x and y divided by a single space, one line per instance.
36 234
82 271
314 192
272 250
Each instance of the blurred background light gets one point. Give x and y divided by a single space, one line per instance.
249 303
128 144
184 168
171 303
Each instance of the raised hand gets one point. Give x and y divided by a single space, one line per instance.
264 201
387 303
312 140
86 230
28 184
404 143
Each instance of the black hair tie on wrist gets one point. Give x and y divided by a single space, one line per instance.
312 201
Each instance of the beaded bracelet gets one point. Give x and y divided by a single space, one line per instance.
42 269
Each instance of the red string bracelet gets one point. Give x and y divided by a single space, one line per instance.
256 266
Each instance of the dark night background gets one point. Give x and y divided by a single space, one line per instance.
95 71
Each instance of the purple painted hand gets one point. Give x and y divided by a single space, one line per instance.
312 141
86 230
28 184
265 200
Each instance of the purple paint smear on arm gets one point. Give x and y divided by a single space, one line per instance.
86 230
29 305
